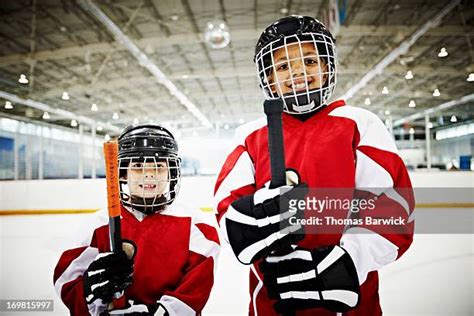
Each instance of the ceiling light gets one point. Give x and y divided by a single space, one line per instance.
412 103
453 119
115 116
411 131
94 107
65 96
284 10
387 112
107 137
436 92
46 116
99 128
367 101
241 121
409 75
135 121
385 90
8 105
443 52
73 123
23 79
226 126
185 76
217 34
470 78
174 17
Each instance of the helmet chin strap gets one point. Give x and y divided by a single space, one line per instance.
299 104
148 205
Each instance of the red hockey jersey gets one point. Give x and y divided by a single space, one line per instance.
339 147
174 262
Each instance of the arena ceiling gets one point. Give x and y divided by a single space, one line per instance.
62 46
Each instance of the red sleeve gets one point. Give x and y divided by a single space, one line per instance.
385 230
195 286
235 179
68 280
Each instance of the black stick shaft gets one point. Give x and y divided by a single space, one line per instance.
273 110
115 234
276 148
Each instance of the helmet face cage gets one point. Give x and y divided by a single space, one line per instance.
298 100
149 183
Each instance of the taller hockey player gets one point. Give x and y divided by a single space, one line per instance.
171 271
329 145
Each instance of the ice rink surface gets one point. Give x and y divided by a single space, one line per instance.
434 277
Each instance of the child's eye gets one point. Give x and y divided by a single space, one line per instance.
137 165
310 61
282 67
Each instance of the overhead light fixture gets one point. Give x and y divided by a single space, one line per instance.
411 131
284 10
436 92
46 116
387 112
99 128
135 121
217 34
409 75
115 116
226 126
174 17
367 101
470 78
412 103
107 137
453 119
73 123
185 76
241 121
65 96
443 52
94 107
23 79
8 105
385 90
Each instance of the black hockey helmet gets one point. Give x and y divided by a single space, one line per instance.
140 145
296 29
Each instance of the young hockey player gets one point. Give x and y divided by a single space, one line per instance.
328 145
171 255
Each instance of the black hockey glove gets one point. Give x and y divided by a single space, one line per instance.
108 274
259 224
138 309
304 279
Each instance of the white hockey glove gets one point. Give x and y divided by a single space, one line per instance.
258 224
303 279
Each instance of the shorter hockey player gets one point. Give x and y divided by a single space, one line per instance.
168 268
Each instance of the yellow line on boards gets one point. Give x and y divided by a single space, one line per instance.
45 212
444 205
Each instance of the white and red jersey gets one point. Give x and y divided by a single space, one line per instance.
338 147
174 261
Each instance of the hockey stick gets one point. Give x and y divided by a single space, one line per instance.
273 110
113 205
276 149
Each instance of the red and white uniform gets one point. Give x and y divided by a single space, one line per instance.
338 147
174 262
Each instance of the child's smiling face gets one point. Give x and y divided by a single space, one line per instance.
297 69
